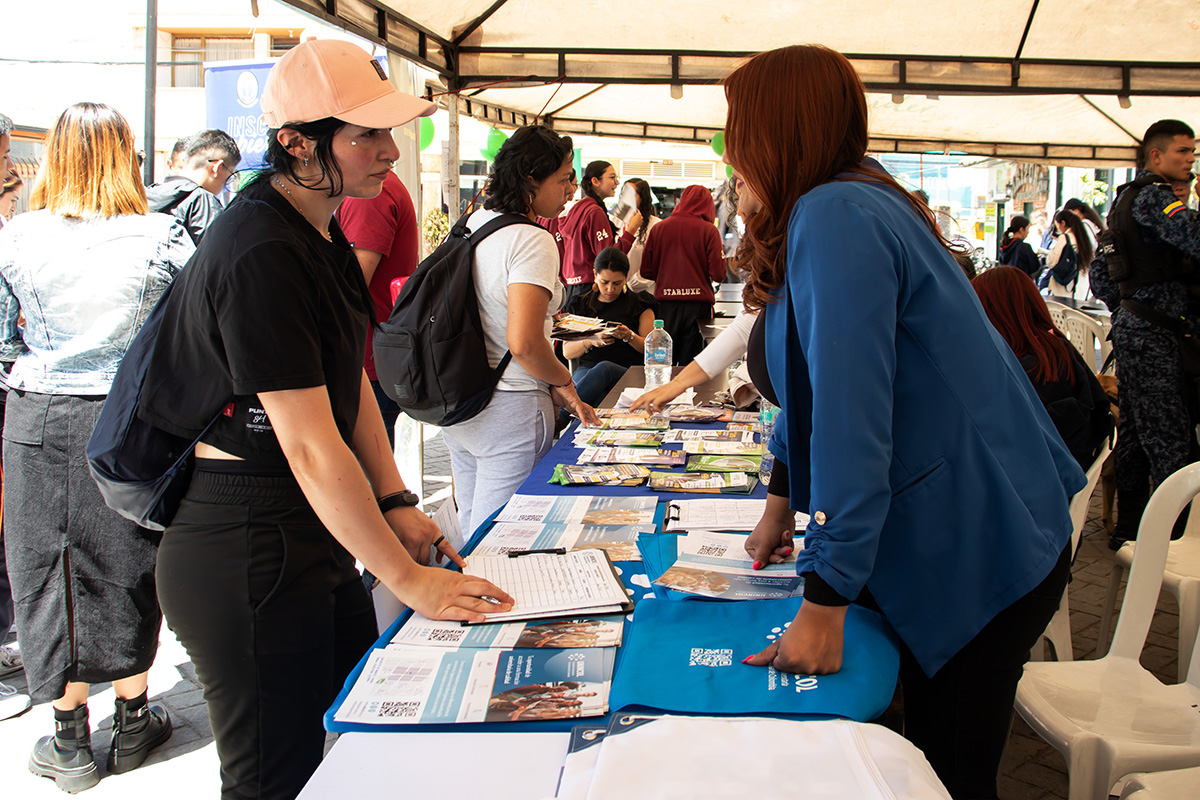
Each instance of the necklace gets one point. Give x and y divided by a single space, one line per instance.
296 205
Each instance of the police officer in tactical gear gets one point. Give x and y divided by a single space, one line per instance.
1147 271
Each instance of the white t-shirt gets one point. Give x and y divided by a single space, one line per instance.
516 254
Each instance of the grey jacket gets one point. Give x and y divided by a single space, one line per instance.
85 287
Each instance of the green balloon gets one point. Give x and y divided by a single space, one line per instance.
495 140
718 143
728 171
426 132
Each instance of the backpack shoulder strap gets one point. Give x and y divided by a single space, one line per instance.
502 221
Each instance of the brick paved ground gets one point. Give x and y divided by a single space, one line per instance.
187 766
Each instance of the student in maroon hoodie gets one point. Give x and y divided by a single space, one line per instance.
586 229
684 257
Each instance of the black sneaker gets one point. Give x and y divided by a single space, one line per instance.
67 755
1116 542
137 729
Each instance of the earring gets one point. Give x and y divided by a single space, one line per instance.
306 161
353 143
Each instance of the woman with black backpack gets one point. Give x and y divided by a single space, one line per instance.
1015 251
1066 266
256 573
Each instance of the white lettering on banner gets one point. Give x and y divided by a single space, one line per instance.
709 657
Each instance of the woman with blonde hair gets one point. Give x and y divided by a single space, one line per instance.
84 267
936 485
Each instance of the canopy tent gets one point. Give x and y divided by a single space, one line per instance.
1065 81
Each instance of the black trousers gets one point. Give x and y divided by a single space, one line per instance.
961 717
272 613
681 319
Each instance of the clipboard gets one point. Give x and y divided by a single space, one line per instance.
557 584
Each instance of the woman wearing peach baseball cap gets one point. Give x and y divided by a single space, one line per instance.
256 573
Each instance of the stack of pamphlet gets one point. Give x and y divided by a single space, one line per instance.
728 482
599 475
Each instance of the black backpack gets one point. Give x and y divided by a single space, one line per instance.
430 355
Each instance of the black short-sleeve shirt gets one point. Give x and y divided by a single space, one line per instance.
627 310
265 304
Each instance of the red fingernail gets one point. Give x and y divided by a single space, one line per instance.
787 551
756 565
746 660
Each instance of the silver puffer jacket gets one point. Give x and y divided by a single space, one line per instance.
85 287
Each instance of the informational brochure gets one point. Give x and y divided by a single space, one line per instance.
580 510
599 475
553 585
568 327
631 421
626 205
743 426
634 455
678 435
703 463
739 416
686 398
712 564
619 541
679 413
558 634
446 518
726 514
707 482
589 437
709 447
422 685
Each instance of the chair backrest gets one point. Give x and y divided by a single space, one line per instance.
1149 560
1079 503
1056 315
1087 335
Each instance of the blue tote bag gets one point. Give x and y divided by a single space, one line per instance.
686 658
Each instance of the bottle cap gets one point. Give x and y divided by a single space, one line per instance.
658 323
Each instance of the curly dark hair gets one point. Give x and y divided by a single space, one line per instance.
532 154
279 160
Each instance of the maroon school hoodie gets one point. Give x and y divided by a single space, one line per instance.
586 231
683 254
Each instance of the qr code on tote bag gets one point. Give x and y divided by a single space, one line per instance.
708 657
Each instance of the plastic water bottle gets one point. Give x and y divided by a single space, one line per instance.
766 421
660 352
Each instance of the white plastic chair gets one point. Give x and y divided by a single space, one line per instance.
1058 632
1181 577
1111 717
1087 335
1174 784
1056 314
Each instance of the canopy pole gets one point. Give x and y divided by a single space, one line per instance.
151 89
453 167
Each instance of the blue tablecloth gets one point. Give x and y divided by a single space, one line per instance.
633 573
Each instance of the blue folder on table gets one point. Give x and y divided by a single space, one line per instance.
686 658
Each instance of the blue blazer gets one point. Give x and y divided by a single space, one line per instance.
909 424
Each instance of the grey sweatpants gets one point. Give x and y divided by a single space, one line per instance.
494 452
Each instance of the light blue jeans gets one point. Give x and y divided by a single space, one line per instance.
493 453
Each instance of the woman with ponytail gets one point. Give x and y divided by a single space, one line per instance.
1015 251
936 485
587 230
1069 258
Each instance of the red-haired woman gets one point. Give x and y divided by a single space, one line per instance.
1068 388
936 484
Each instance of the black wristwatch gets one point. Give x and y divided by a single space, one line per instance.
396 500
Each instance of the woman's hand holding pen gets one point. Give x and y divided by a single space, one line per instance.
443 594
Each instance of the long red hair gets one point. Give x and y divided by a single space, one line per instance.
797 118
1019 314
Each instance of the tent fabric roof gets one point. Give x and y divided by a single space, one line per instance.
1030 79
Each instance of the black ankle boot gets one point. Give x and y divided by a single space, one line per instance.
138 728
67 755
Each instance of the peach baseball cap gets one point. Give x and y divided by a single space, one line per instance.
328 78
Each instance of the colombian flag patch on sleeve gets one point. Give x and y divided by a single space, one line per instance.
1174 207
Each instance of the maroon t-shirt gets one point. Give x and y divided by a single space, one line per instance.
386 224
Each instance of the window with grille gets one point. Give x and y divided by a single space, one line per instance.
189 52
